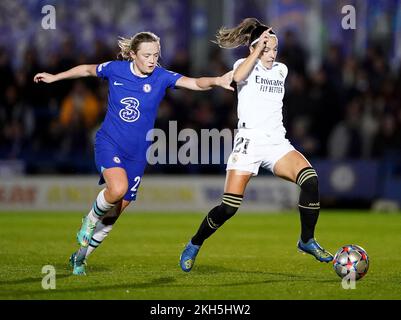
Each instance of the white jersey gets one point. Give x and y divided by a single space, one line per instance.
260 99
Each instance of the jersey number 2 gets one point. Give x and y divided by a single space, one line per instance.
137 181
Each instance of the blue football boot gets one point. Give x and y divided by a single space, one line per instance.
313 248
72 258
85 234
78 262
188 256
79 270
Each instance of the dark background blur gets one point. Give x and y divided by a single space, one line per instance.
342 107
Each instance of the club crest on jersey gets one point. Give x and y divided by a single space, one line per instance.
147 88
130 113
235 158
116 160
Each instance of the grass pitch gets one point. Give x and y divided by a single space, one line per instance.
252 257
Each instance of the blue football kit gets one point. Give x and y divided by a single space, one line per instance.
133 102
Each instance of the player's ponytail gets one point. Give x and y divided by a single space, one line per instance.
125 48
230 38
241 35
129 45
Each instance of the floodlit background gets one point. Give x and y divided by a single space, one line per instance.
342 107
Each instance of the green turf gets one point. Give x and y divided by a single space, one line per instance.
252 257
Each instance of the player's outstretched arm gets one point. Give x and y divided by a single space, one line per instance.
206 83
83 70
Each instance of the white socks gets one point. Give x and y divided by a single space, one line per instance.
100 207
101 232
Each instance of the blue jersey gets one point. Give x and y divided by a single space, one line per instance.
133 102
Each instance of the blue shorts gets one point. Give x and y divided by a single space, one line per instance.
107 156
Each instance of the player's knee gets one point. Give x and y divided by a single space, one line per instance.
117 191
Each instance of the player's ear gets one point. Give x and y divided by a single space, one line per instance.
133 55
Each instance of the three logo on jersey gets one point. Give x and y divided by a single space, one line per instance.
131 113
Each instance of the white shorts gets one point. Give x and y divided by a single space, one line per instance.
253 148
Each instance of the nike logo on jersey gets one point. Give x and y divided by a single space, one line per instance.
118 83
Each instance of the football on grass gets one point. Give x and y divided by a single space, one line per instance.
351 259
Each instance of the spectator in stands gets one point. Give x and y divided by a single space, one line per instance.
345 140
78 116
388 138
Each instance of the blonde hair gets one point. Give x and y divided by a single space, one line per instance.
128 45
241 35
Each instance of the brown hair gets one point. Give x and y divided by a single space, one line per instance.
128 45
242 35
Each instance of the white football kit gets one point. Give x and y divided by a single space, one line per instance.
260 140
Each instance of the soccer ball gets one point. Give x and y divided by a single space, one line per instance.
351 259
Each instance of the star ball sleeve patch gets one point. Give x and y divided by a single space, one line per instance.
171 78
104 70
